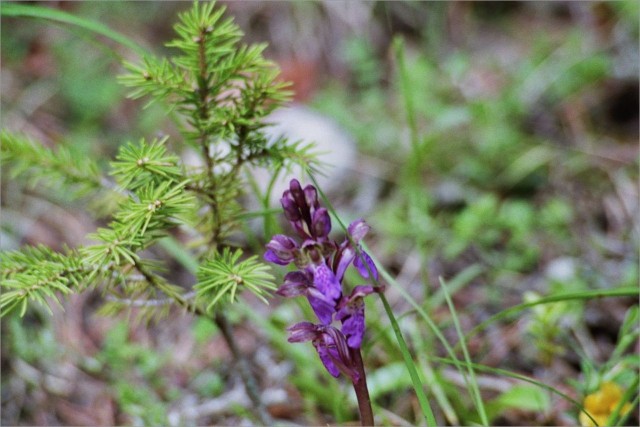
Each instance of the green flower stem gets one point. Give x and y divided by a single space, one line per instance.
362 391
410 364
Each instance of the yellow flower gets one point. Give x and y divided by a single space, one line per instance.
602 403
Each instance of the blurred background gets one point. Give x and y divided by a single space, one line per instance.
493 144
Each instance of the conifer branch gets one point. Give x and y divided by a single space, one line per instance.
63 167
221 92
170 291
37 274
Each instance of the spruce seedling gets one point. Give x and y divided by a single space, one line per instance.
220 93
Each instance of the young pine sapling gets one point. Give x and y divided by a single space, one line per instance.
219 93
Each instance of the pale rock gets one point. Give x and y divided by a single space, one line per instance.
337 149
562 269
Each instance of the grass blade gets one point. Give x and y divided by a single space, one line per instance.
614 418
461 280
179 253
506 373
21 10
597 293
411 367
475 390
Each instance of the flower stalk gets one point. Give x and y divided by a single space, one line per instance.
322 264
362 391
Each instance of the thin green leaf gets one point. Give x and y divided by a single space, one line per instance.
20 10
582 295
507 373
475 390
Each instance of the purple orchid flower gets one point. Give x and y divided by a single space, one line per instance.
351 314
298 283
348 253
322 264
330 345
281 250
302 209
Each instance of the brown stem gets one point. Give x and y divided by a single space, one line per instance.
362 392
223 324
203 137
243 366
219 319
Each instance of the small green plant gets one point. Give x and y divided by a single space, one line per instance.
218 92
611 390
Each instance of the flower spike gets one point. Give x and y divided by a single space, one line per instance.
322 264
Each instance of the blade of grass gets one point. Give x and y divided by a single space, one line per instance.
423 314
598 293
615 415
507 373
404 349
411 367
623 419
21 10
258 213
460 365
628 335
405 85
475 390
430 376
458 282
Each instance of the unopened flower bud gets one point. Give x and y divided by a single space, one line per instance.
311 196
297 194
321 223
290 208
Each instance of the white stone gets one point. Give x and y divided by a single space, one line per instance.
337 149
562 269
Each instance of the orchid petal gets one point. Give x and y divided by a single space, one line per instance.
354 326
345 257
323 309
311 196
291 211
358 229
327 360
367 266
326 282
321 223
270 256
303 331
296 283
281 249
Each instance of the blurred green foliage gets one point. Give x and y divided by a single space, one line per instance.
472 179
135 373
470 182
